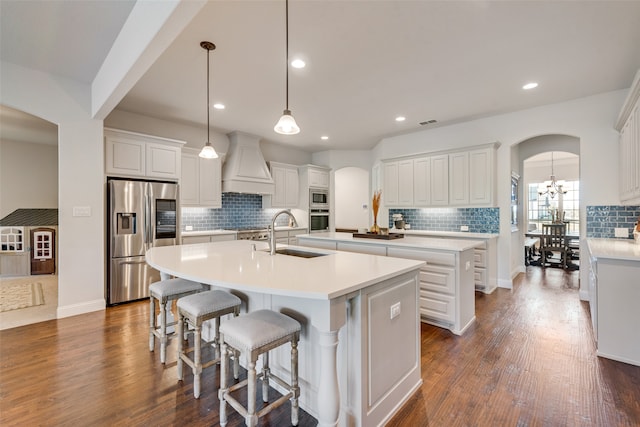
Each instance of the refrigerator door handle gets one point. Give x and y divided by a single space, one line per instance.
147 221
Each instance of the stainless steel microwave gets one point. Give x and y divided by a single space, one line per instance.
318 198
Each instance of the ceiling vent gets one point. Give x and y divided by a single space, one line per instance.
428 122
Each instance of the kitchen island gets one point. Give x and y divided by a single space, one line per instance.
614 297
447 290
359 354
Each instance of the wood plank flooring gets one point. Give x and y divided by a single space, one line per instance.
528 361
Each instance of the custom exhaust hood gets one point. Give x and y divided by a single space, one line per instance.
245 170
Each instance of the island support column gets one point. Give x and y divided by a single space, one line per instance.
328 390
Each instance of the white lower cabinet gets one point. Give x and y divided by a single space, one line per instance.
189 240
289 237
362 249
446 287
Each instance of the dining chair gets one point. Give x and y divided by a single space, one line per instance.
554 240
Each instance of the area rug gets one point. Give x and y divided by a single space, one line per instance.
20 295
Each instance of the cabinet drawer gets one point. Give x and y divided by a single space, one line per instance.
189 240
480 257
480 277
362 249
437 306
320 244
438 279
432 257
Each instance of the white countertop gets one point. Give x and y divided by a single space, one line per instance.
235 265
456 234
453 245
622 249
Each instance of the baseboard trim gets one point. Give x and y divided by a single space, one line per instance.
507 284
81 308
584 295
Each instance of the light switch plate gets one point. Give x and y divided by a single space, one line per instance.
82 211
622 232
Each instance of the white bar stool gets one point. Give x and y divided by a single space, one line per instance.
255 334
194 310
166 291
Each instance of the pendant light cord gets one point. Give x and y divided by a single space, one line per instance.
287 48
208 112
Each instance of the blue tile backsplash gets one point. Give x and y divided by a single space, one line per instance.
602 220
238 211
479 220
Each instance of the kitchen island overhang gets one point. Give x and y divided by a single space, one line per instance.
360 345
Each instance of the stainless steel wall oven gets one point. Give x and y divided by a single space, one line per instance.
318 220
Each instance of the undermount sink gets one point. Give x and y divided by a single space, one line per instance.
298 253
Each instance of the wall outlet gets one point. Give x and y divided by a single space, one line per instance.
395 310
622 232
464 228
188 227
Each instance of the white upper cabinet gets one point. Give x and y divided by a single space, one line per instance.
316 176
440 180
422 181
629 126
398 183
481 176
405 182
201 180
390 182
130 154
286 191
459 179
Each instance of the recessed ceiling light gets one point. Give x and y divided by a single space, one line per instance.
400 119
531 85
219 106
324 137
298 63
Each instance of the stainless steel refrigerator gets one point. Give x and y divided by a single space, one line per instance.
141 215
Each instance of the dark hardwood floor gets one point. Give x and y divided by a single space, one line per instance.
529 360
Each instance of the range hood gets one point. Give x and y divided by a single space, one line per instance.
245 170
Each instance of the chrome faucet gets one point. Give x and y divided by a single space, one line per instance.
272 231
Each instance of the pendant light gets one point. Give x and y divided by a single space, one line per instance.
208 152
287 124
552 187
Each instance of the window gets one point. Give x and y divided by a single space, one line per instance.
541 209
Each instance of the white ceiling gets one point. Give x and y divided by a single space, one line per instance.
367 61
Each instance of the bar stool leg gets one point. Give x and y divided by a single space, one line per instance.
224 361
251 419
163 331
152 322
181 336
294 383
197 361
265 377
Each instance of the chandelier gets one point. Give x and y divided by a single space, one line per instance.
553 186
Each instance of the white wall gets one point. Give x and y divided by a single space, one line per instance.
28 176
590 119
351 198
